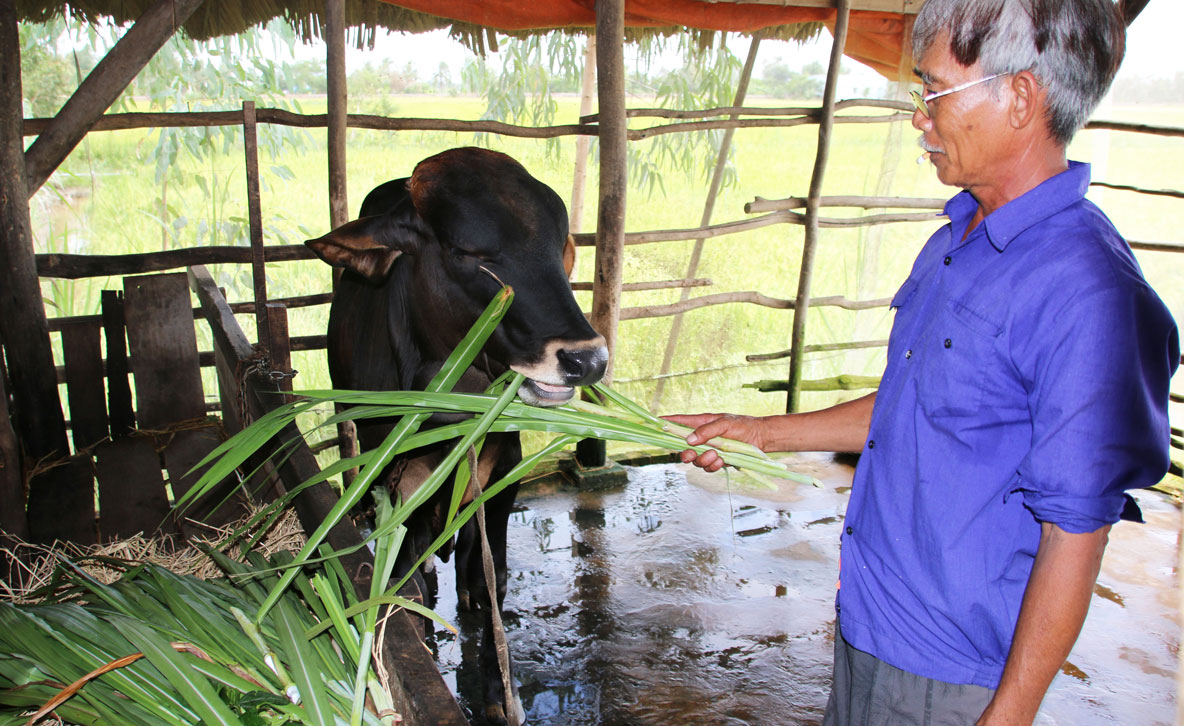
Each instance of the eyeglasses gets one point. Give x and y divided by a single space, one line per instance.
922 102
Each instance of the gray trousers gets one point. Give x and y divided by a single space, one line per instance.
869 692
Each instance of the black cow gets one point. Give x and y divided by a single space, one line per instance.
424 259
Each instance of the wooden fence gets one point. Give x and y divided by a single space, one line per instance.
271 313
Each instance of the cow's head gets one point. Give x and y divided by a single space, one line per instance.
467 221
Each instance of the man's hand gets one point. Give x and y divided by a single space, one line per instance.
842 427
708 426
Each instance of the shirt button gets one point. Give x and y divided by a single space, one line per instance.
908 353
948 343
947 260
850 530
871 444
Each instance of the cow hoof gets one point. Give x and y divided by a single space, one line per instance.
495 714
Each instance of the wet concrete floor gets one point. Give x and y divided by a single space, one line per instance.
681 598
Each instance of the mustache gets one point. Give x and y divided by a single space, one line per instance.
928 147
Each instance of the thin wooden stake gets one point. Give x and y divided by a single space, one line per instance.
717 177
255 222
825 126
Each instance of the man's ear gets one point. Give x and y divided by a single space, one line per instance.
569 255
1028 96
370 245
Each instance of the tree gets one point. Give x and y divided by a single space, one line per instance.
779 80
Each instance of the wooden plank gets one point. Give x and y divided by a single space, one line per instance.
279 347
84 384
132 496
224 503
66 510
119 392
102 86
169 394
259 395
420 694
164 350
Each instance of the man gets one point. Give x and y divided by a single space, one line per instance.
1026 387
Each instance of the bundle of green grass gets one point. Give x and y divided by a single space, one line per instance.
266 646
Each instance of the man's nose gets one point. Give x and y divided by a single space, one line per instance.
921 122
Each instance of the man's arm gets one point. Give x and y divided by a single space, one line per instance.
1054 607
843 427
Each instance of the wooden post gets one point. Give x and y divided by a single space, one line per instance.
255 222
825 125
347 434
610 222
583 142
12 484
717 178
338 97
102 86
279 346
37 410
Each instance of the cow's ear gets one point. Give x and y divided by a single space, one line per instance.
569 255
353 245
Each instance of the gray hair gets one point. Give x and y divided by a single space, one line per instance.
1073 47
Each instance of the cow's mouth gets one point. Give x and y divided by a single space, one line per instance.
537 393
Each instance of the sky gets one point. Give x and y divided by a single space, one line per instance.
1149 39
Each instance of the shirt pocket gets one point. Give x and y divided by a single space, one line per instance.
962 355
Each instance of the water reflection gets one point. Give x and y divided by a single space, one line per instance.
670 601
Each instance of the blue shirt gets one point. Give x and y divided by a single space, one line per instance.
1027 382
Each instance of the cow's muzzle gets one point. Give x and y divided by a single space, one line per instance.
553 381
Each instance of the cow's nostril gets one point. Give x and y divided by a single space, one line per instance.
582 366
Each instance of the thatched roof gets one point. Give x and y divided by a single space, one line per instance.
364 17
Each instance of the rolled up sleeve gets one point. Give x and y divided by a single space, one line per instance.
1100 366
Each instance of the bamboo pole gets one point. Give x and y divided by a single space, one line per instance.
717 176
255 223
817 348
760 204
102 86
754 298
735 111
809 246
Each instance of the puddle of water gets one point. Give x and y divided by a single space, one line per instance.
672 601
